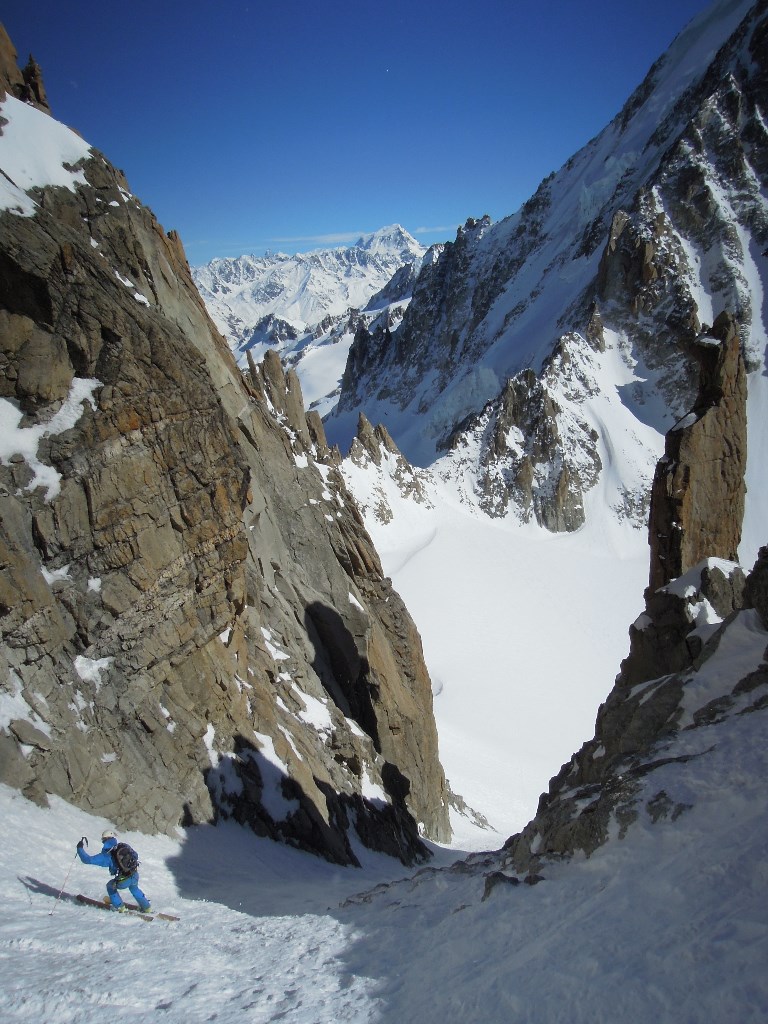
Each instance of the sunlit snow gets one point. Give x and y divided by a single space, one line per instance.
34 149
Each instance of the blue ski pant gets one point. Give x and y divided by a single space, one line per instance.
132 884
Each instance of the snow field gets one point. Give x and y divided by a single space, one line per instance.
33 151
523 633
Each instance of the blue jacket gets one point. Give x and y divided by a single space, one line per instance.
103 859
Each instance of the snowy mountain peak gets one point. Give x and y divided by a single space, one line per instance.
392 240
305 288
309 301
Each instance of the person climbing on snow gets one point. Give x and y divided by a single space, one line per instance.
123 866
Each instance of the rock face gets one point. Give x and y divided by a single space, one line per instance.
621 260
374 448
535 454
393 367
194 621
698 491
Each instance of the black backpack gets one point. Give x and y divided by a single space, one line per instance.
126 859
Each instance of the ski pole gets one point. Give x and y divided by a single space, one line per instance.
84 841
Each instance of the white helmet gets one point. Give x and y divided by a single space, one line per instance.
108 834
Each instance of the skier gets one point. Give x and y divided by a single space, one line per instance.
120 879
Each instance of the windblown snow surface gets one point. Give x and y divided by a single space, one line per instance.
35 151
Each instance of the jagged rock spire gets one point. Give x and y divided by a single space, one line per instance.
697 499
25 85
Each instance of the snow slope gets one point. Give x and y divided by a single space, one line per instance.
524 630
36 151
668 924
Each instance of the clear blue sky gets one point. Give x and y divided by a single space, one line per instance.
294 124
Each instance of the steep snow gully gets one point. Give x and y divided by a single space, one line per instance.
669 924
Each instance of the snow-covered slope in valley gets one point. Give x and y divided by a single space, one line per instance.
627 253
523 630
307 306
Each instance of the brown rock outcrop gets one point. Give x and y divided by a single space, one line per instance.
25 85
697 499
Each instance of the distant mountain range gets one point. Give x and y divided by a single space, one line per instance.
307 306
305 288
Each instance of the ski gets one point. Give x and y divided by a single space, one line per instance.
155 913
131 907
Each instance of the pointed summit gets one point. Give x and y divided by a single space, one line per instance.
393 240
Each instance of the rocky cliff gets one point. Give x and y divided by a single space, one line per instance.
697 500
25 84
194 621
